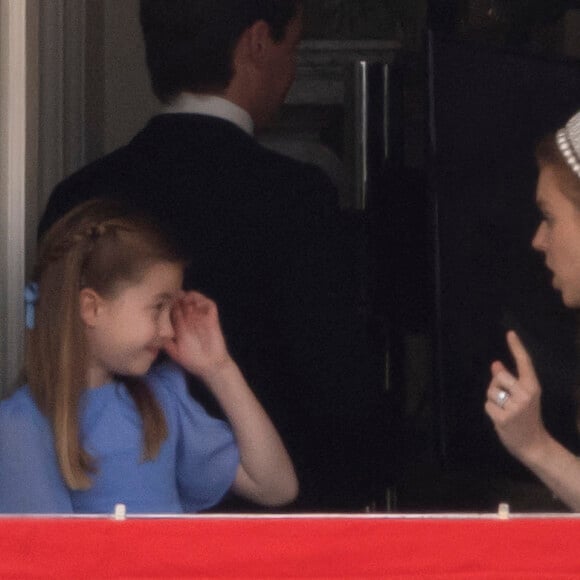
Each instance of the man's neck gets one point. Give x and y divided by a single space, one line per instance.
211 105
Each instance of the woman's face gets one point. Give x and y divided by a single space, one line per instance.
558 236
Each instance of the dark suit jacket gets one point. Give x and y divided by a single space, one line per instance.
268 244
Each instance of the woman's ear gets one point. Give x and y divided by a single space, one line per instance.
90 306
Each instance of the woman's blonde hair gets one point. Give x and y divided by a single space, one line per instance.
548 154
99 245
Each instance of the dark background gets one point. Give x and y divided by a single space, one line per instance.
450 218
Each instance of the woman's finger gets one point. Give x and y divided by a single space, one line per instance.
522 358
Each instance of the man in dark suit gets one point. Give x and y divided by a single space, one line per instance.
264 233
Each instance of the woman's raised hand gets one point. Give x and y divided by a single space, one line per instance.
513 402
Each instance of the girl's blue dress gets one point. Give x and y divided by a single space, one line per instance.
195 467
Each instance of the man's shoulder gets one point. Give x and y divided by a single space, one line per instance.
98 170
93 180
293 173
187 157
125 162
111 175
180 139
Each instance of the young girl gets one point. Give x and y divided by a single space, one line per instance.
96 425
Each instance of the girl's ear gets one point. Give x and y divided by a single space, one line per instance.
89 303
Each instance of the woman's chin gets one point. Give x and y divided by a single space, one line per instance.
570 299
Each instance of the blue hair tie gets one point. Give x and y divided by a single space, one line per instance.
30 298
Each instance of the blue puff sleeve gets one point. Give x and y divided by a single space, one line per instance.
30 480
207 456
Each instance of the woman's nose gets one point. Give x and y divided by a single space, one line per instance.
539 239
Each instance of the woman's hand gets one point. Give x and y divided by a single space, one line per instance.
198 344
517 419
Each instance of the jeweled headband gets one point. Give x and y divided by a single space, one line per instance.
568 140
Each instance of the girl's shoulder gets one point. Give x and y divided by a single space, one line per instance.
169 384
167 380
20 407
20 400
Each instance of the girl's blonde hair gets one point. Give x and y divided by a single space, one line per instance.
99 245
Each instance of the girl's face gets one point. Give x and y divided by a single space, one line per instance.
125 333
558 237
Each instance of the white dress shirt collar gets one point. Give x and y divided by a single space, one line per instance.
211 105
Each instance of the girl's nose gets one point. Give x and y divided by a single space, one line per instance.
166 327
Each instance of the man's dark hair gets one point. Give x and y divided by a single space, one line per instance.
189 43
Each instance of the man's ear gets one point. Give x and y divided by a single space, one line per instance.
90 306
257 40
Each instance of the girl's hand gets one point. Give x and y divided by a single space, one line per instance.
517 420
198 344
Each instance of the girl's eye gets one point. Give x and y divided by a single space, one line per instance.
158 309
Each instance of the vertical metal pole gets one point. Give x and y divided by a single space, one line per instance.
386 109
361 133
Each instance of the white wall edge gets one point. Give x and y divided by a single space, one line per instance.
13 185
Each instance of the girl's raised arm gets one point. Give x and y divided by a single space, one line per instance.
266 474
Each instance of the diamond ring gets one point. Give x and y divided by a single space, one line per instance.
502 398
